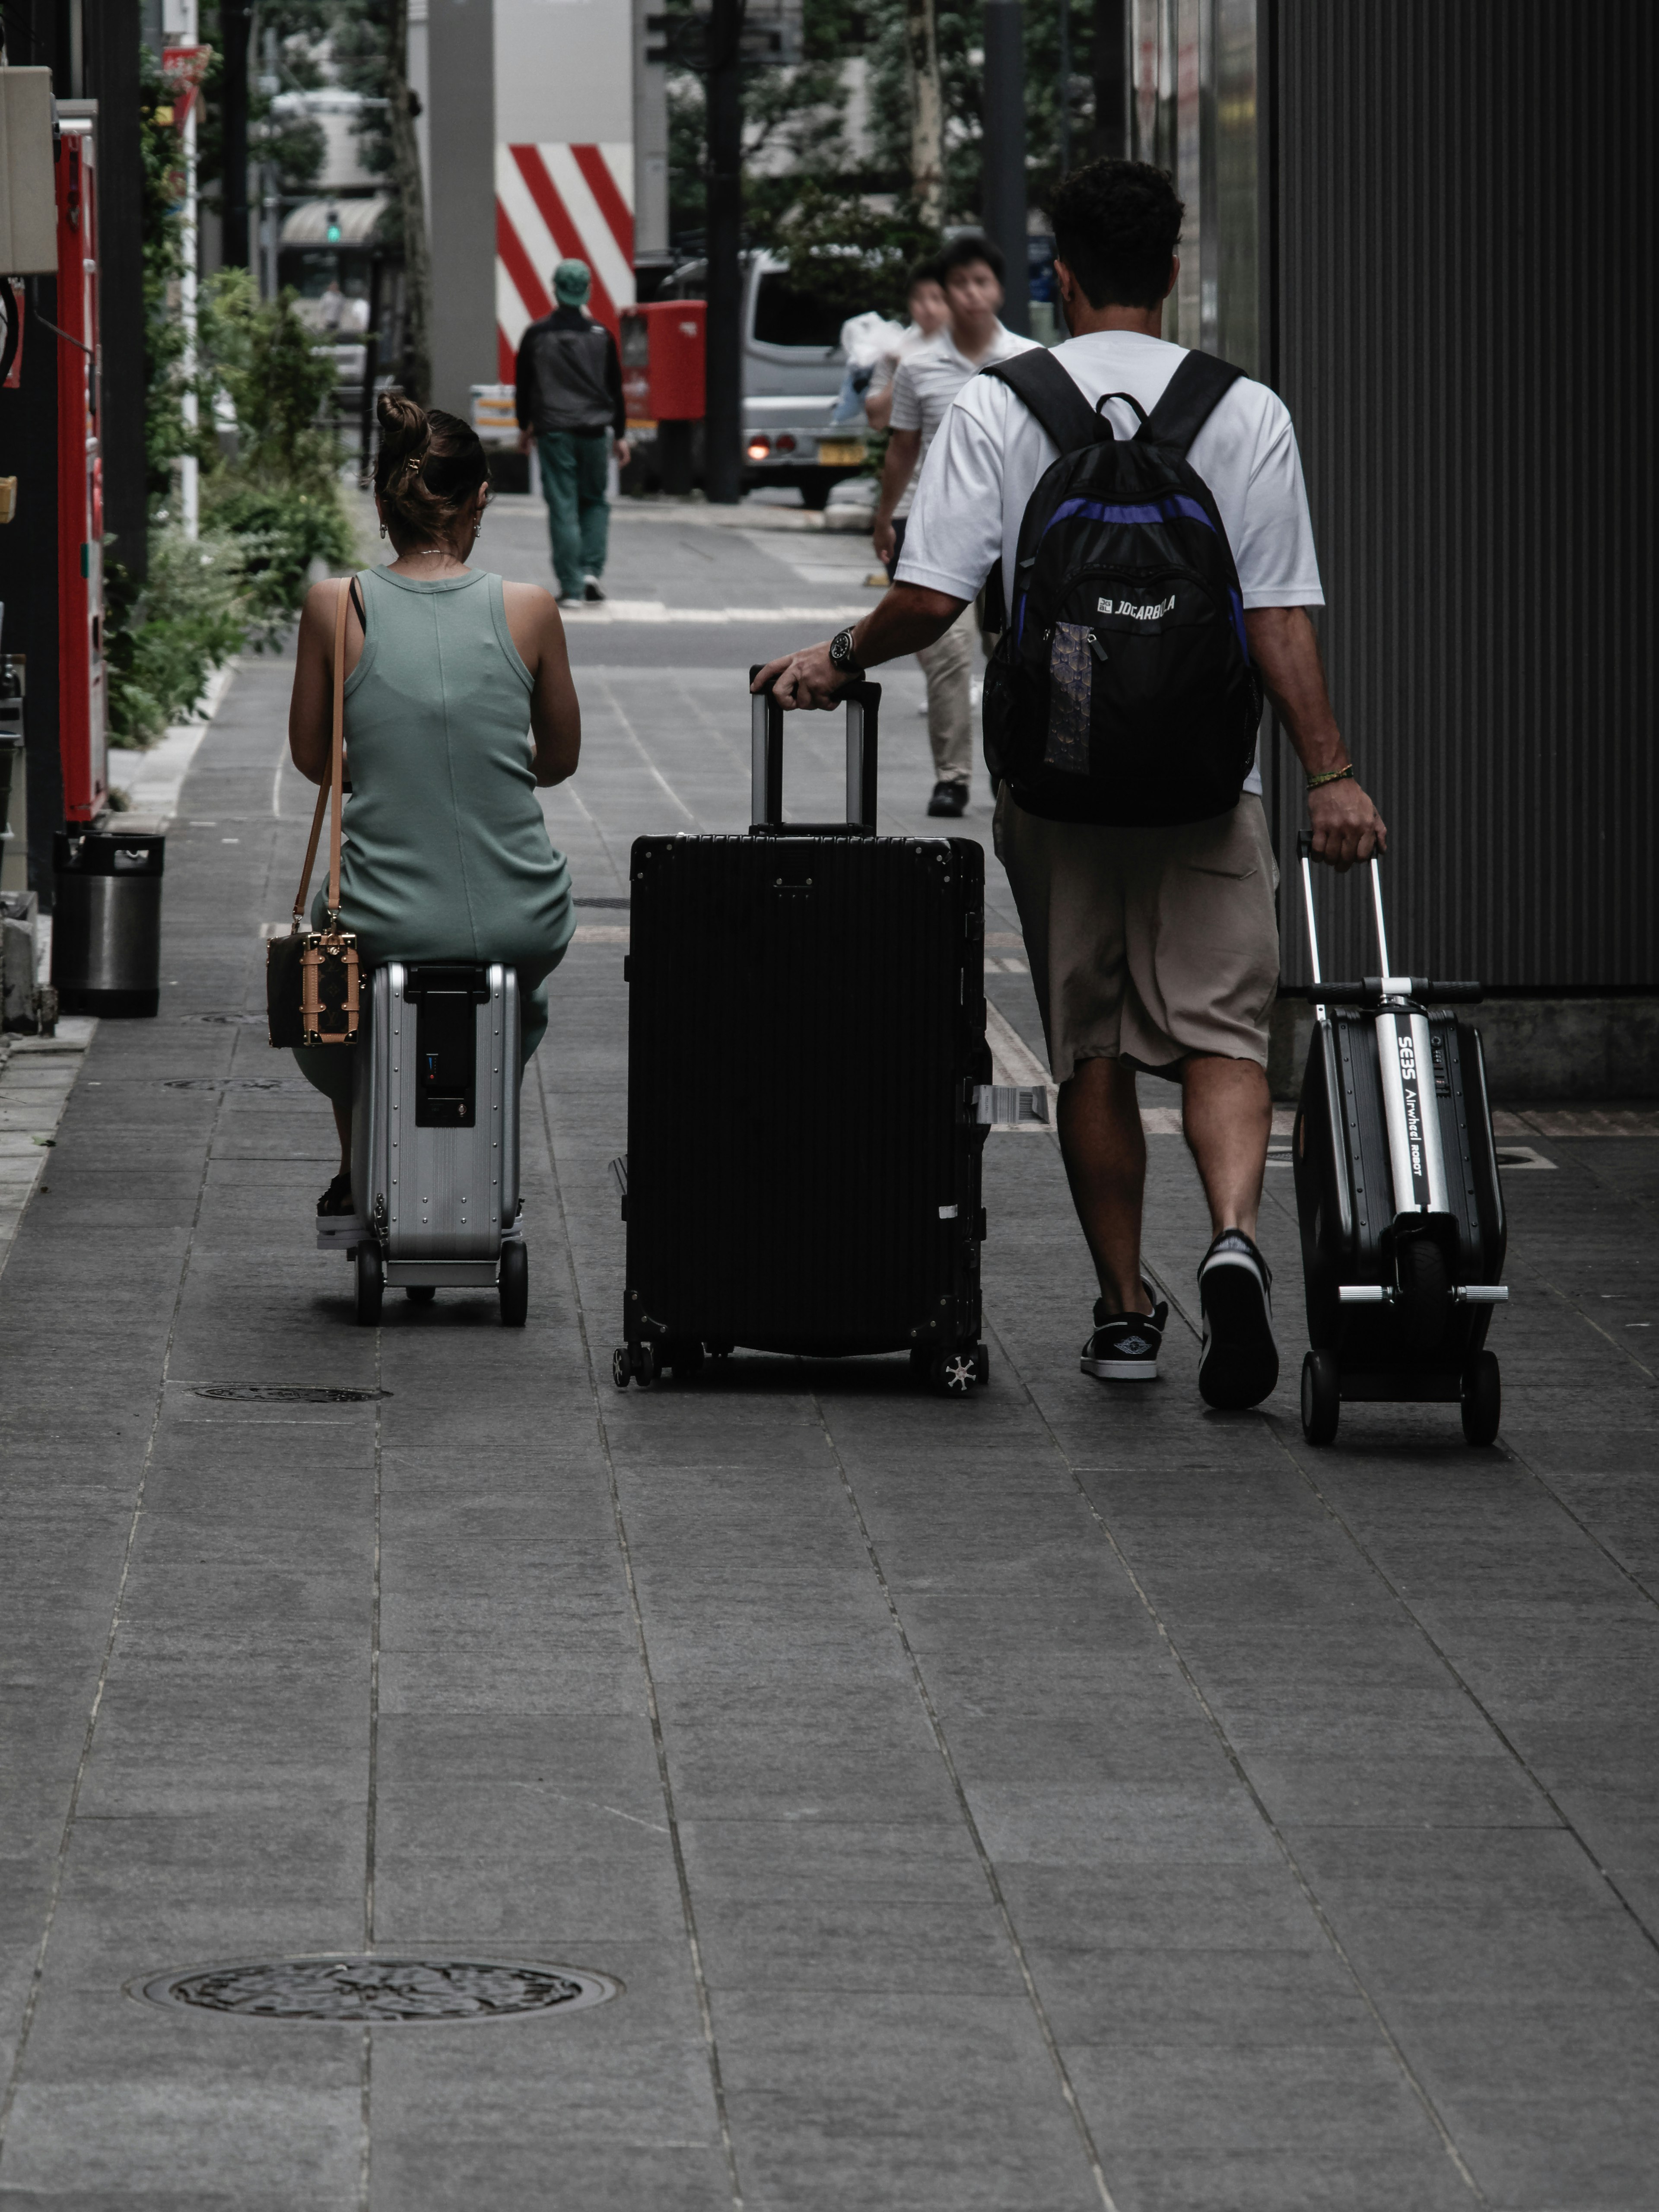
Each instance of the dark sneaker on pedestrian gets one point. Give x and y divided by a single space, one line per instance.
1238 1365
591 592
1124 1347
949 799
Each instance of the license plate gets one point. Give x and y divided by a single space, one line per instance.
847 454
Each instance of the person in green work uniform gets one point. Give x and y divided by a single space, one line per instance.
570 410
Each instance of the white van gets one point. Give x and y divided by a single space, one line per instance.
792 369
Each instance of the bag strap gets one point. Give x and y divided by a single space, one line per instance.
1190 398
1042 387
335 778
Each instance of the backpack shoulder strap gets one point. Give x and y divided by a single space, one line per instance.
1190 398
1042 387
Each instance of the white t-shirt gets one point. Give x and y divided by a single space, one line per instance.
990 454
926 383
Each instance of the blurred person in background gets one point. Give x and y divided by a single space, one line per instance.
928 316
571 412
924 384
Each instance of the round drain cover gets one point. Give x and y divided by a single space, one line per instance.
280 1393
382 1992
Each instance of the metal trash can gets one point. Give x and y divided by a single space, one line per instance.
106 921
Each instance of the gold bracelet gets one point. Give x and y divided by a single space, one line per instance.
1330 776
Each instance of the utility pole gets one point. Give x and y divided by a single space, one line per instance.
927 111
723 408
1108 65
1064 107
411 204
234 26
1005 153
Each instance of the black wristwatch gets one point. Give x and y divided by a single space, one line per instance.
842 657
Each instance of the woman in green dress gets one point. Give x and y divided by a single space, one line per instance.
458 702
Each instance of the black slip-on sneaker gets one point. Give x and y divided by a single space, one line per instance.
1238 1365
1124 1347
949 799
591 592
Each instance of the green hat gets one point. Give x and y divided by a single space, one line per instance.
572 282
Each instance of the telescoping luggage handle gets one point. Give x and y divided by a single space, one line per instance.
1372 990
766 800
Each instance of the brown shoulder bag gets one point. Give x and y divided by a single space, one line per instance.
311 974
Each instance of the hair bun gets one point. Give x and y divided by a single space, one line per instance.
428 471
404 428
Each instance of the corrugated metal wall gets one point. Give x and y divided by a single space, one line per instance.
1462 285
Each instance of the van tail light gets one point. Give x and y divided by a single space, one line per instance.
758 448
786 444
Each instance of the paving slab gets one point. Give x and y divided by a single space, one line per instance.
1057 1799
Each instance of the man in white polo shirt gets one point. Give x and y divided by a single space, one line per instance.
923 389
1149 948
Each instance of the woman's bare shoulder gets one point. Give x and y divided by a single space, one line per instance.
534 600
532 616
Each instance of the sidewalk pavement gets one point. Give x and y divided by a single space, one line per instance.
1057 1799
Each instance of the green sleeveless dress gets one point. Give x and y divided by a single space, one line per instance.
447 855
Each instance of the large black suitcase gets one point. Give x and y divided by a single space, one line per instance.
1398 1194
808 1085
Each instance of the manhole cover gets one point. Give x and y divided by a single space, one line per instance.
280 1393
236 1083
384 1992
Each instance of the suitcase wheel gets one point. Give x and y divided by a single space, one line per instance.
420 1294
514 1284
371 1285
1322 1397
681 1356
1482 1400
634 1362
953 1374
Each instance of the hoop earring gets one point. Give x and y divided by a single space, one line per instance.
383 530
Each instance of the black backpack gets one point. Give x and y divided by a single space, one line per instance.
1122 689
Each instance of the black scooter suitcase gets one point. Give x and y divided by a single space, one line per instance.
1398 1195
808 1086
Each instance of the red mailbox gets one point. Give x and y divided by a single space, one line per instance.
662 361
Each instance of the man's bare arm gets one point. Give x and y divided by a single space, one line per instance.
897 468
905 618
1347 827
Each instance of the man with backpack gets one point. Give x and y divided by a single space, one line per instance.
1147 509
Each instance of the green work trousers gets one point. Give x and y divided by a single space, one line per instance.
573 467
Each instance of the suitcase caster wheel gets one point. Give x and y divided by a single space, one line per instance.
982 1364
514 1284
953 1374
1482 1396
683 1360
420 1294
1322 1398
646 1370
620 1367
371 1286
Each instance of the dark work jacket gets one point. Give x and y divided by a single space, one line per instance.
568 376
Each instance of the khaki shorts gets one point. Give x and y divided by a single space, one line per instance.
1146 945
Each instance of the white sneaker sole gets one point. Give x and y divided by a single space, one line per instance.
336 1230
1121 1370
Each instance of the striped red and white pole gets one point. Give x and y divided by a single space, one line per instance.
556 204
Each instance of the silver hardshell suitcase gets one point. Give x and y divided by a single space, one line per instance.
435 1167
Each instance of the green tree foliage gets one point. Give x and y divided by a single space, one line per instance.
271 508
802 112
